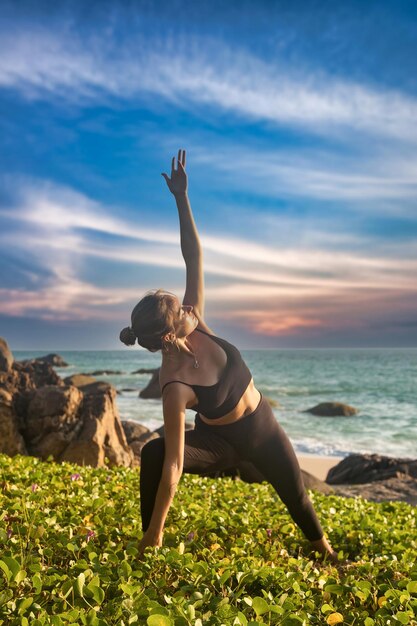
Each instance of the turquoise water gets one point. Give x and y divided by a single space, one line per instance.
381 383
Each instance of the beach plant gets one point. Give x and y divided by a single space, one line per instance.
69 540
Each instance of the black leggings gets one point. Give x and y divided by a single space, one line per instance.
257 438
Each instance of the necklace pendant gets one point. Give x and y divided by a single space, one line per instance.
196 365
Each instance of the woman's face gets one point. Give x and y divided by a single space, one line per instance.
184 319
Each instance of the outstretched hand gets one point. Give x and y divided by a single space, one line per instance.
178 182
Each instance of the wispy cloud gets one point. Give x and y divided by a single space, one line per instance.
204 72
269 291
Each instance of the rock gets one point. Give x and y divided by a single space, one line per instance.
365 468
79 380
52 420
134 430
332 409
41 415
53 359
138 445
127 389
399 489
6 357
96 387
161 430
146 371
311 482
101 434
11 440
152 389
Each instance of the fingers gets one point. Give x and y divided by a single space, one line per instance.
180 161
165 176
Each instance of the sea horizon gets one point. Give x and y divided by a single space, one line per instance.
378 382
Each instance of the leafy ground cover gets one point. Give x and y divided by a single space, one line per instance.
69 554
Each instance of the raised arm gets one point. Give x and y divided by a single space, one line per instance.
190 242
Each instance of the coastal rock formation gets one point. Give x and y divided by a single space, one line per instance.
79 380
152 389
100 434
332 409
52 420
11 441
53 359
365 468
145 370
137 435
6 357
43 416
401 489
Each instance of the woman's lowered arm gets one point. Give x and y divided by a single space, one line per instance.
190 242
174 402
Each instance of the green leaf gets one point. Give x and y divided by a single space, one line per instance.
79 584
97 593
402 617
412 586
336 589
159 620
12 565
37 583
260 606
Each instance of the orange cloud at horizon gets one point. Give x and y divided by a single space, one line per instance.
268 323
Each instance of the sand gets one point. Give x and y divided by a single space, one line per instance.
318 466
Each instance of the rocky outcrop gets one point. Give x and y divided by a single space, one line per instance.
152 389
11 440
101 435
6 357
53 359
79 380
401 489
365 468
42 416
52 420
332 409
137 435
145 370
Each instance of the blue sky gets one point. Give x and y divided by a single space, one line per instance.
299 121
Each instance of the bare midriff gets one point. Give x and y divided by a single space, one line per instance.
246 405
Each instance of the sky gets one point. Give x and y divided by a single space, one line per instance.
300 125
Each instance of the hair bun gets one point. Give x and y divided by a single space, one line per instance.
127 336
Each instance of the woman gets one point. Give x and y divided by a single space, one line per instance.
202 372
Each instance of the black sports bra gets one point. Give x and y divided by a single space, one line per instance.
219 399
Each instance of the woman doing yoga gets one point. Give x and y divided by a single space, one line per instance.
202 372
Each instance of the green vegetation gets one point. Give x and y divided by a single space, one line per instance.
231 554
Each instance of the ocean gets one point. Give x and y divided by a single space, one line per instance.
381 383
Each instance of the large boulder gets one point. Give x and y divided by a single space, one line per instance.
152 389
11 440
43 416
53 359
365 468
332 409
6 357
52 420
79 380
101 434
402 488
